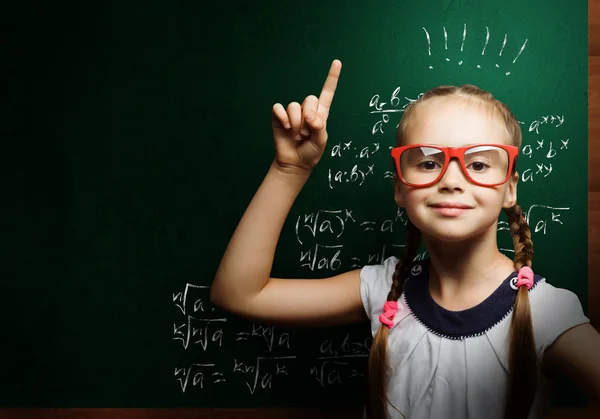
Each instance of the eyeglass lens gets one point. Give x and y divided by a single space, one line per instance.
484 164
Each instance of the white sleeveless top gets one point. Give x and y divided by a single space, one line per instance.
454 364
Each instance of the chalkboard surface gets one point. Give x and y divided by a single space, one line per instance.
136 133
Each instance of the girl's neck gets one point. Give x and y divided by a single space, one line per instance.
465 273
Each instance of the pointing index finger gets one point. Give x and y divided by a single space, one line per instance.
326 96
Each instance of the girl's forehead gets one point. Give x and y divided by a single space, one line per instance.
455 122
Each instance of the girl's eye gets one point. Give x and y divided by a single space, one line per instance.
479 166
428 165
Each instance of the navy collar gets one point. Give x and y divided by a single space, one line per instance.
458 324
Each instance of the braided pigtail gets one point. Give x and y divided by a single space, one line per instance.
522 359
377 400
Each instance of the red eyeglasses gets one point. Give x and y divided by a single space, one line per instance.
421 165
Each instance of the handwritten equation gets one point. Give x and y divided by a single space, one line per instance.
203 333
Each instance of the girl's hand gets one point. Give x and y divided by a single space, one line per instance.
300 133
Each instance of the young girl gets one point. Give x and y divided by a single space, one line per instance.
467 333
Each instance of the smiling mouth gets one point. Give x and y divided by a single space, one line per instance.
451 205
450 211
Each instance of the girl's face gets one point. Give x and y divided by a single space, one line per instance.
452 122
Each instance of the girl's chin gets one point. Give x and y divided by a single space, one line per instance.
455 235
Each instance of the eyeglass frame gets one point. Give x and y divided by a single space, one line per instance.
458 153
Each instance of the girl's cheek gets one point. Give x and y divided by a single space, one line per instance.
490 197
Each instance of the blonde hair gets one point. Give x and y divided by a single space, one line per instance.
522 360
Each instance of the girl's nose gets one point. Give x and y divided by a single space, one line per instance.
454 178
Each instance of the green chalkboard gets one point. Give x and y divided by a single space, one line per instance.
134 135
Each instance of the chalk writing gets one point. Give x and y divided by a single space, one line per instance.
544 217
199 326
333 360
340 149
356 175
377 107
202 375
268 334
459 57
546 120
199 332
336 369
262 371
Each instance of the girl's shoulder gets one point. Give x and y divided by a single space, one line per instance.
375 284
553 311
380 272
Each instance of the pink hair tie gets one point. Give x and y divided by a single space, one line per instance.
525 277
389 310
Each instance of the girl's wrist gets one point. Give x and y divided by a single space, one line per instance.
290 174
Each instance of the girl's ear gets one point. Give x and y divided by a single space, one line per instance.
511 192
397 191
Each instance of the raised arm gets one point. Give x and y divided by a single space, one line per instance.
243 284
